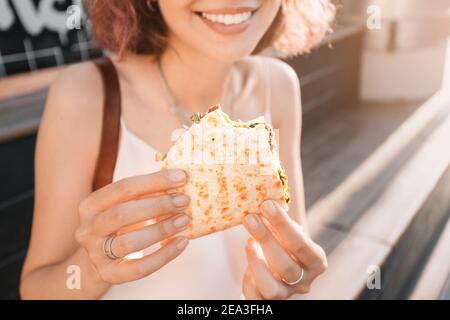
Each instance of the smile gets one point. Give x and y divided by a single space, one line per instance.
228 21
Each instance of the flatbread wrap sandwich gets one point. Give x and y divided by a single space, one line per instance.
233 167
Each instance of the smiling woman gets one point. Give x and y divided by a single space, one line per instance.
102 201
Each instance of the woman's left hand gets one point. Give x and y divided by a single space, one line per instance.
289 260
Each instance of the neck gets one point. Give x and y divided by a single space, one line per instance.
195 81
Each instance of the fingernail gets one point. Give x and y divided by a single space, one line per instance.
181 221
252 221
269 207
180 200
176 175
182 243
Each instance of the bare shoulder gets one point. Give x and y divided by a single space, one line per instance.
279 71
284 88
75 99
72 118
77 91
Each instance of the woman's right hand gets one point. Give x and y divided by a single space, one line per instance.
108 210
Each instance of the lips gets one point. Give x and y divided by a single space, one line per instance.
227 21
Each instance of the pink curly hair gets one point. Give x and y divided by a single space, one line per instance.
306 23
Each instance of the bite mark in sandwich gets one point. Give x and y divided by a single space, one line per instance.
222 192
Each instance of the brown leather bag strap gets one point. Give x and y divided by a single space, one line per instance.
109 144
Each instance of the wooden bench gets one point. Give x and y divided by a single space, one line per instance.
363 221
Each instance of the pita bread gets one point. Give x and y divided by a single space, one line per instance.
232 166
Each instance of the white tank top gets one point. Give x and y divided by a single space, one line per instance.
211 267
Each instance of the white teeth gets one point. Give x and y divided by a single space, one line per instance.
228 19
221 18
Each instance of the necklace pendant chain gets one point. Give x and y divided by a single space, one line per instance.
173 106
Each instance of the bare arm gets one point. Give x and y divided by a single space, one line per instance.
282 259
66 150
287 118
71 223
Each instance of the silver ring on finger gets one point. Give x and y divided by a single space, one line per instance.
300 278
107 248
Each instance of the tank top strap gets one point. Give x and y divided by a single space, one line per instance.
106 161
265 74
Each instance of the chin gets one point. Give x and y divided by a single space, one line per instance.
228 48
228 53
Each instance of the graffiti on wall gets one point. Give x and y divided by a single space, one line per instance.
36 34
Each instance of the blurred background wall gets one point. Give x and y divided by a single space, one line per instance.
404 52
40 34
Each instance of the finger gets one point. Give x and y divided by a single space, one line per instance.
132 188
130 270
278 259
291 234
269 287
143 238
135 211
249 289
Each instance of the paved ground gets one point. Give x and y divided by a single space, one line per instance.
337 142
446 295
